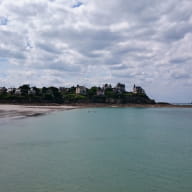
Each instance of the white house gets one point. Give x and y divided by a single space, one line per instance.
81 90
18 91
11 90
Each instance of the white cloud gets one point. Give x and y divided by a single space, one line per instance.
64 42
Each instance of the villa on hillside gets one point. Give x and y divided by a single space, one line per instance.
18 91
75 94
31 91
107 86
64 90
81 90
120 88
138 90
11 90
100 91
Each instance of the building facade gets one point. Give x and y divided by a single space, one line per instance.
138 90
81 90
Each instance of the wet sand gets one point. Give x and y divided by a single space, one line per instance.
18 111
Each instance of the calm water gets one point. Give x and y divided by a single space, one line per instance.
98 150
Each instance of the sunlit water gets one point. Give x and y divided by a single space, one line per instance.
98 150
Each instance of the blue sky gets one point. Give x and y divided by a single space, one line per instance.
91 42
77 4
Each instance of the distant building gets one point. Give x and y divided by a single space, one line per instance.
3 90
138 90
32 91
107 86
81 90
18 91
11 90
100 91
120 88
64 90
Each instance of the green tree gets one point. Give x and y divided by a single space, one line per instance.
92 92
109 93
24 89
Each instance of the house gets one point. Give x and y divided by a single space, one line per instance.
11 90
107 86
31 91
100 91
138 90
120 88
3 90
64 90
18 91
81 90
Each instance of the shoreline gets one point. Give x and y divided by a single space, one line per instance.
25 110
133 105
31 110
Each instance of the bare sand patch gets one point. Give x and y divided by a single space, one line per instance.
7 110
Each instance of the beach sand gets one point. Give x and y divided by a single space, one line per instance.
19 111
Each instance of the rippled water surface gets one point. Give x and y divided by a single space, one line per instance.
98 150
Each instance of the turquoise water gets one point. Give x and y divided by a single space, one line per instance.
98 150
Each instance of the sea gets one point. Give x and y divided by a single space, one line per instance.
98 150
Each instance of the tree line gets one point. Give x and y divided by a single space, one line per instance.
106 94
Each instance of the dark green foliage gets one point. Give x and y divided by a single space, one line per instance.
24 89
109 93
73 98
68 95
72 90
98 99
92 92
37 90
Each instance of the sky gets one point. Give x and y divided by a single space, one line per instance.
92 42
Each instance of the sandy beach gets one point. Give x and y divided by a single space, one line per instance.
19 111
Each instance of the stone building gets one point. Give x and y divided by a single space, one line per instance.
81 90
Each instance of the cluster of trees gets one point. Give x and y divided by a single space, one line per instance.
27 94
